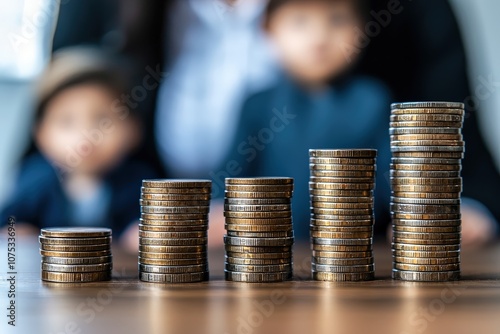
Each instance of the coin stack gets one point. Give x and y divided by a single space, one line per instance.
173 231
341 190
76 255
427 148
259 228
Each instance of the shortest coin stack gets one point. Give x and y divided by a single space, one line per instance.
173 231
76 255
259 228
341 189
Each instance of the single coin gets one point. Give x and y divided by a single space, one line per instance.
426 248
426 167
286 256
342 212
425 124
76 260
433 155
176 197
257 277
425 216
341 186
69 248
342 262
260 234
258 228
438 137
174 216
427 236
327 167
434 261
82 268
337 200
199 257
424 209
75 254
176 191
356 180
425 195
258 194
419 276
259 221
343 277
258 215
343 174
423 254
342 242
75 232
427 223
342 206
174 223
335 229
172 262
257 262
426 161
173 242
428 105
144 202
340 193
424 130
260 180
254 208
257 249
342 161
342 269
422 267
432 189
172 183
350 153
173 269
428 111
259 188
429 174
342 218
174 210
428 148
340 248
190 250
185 228
407 117
76 277
426 241
258 269
258 242
424 201
173 235
257 201
342 255
438 229
341 235
426 181
321 223
74 241
173 278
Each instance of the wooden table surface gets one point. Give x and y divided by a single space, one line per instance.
126 305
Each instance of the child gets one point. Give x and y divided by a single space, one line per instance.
80 173
317 104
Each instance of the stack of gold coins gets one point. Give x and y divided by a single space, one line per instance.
76 254
173 231
427 148
259 228
341 189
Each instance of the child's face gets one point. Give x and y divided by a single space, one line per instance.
313 38
81 130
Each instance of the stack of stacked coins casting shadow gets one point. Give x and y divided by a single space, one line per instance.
341 190
259 228
173 231
76 255
427 148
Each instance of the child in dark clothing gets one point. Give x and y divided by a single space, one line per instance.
81 173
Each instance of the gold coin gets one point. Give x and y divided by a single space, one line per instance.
426 261
418 229
74 241
176 197
173 256
426 167
185 228
76 260
332 199
342 219
424 209
343 174
173 278
341 235
433 155
257 208
342 212
193 251
426 195
258 228
451 111
336 229
143 202
423 254
258 215
426 241
317 167
323 268
257 277
260 256
342 255
341 193
425 161
259 188
259 221
426 248
424 124
343 277
341 262
425 216
75 254
258 194
334 205
426 268
76 277
257 201
260 181
70 248
170 262
316 179
176 210
173 235
260 234
428 143
252 268
424 174
341 186
425 130
426 223
176 191
174 216
341 248
342 223
258 242
147 268
407 117
456 188
257 249
342 161
426 236
256 262
75 232
173 242
189 222
172 183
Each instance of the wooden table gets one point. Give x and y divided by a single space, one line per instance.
126 305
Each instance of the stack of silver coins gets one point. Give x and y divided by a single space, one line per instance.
76 255
427 148
259 228
173 231
342 218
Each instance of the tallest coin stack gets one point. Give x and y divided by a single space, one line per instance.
427 148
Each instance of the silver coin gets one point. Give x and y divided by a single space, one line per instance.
257 201
426 105
174 210
342 242
173 278
259 208
343 277
173 269
337 199
81 268
77 260
424 208
435 261
342 269
257 277
425 276
258 269
425 201
258 242
427 149
348 153
423 254
342 262
426 130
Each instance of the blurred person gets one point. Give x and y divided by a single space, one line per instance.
316 104
81 171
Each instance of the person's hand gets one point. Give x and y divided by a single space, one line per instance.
129 240
478 227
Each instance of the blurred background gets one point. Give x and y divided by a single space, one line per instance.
212 55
